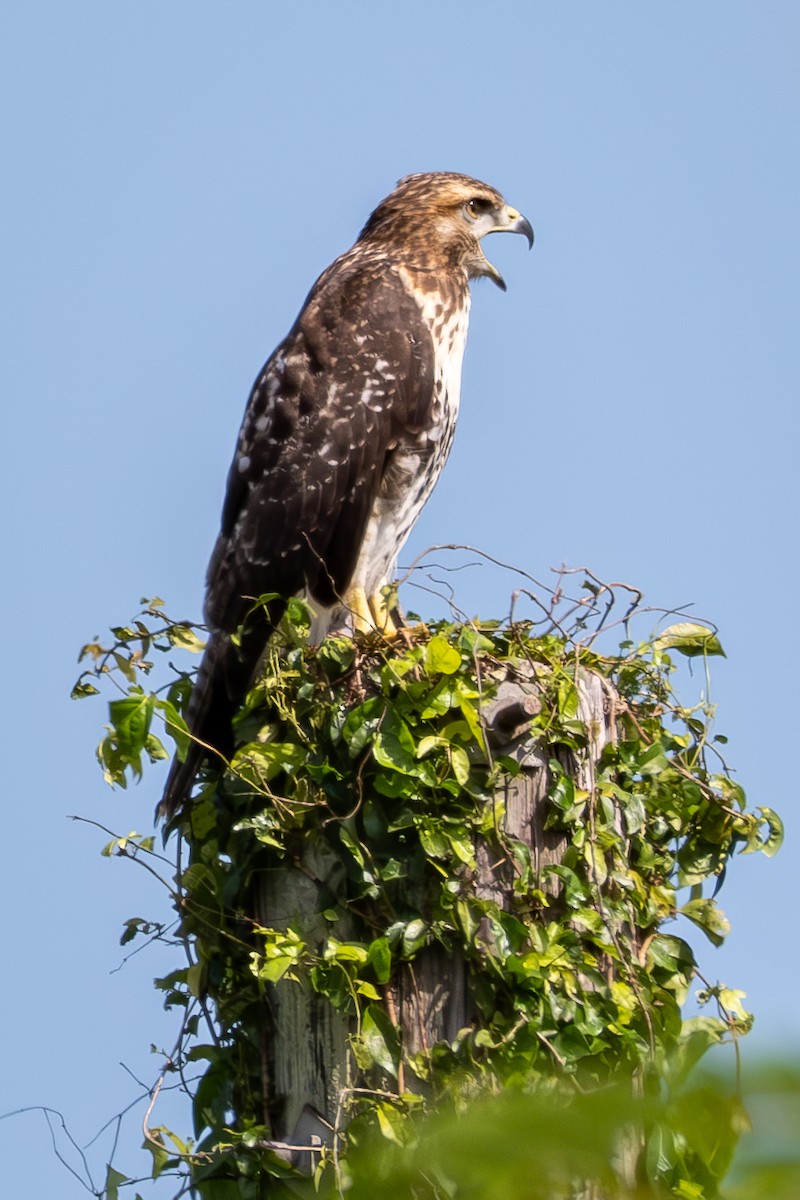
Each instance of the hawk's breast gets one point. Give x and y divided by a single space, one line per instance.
447 318
420 455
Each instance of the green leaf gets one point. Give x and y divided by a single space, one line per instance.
130 718
136 925
440 657
697 1036
176 726
195 977
415 936
298 612
463 848
433 840
598 871
660 1155
633 813
393 1124
773 841
441 698
352 844
261 762
114 1180
675 959
690 639
125 665
394 746
467 920
120 845
460 764
431 742
469 710
337 655
338 951
379 957
380 1039
361 724
155 1147
154 748
652 762
568 698
699 862
272 969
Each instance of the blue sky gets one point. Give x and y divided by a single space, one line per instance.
175 177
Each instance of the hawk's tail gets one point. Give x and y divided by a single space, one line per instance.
222 682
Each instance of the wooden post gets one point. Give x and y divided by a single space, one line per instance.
305 1051
309 1067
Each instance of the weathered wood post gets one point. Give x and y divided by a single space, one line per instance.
310 1070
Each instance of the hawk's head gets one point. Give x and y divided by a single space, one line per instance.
435 222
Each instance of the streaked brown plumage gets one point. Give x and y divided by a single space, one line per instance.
346 431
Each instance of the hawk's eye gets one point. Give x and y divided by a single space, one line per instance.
477 206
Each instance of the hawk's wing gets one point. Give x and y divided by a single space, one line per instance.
352 381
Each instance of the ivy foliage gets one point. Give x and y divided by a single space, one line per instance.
379 762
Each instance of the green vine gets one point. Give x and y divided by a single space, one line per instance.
381 763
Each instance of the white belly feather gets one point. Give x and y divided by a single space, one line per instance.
421 462
414 468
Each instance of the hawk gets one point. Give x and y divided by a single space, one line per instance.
345 433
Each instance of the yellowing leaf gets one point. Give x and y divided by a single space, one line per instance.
706 915
690 639
731 1000
79 692
185 637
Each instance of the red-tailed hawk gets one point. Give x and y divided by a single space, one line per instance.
345 433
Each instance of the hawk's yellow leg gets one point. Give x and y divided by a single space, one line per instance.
370 614
382 618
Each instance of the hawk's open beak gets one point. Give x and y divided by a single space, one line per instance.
515 223
509 221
